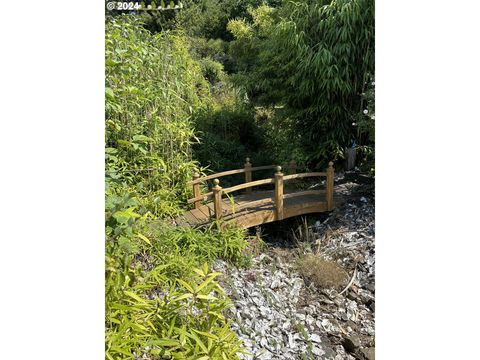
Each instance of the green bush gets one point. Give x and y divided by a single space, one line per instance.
153 89
160 301
157 301
228 135
182 322
212 70
314 59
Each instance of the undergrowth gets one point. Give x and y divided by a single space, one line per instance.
322 272
161 299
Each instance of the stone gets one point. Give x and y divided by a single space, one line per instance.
315 338
351 343
275 323
368 353
317 351
371 305
266 355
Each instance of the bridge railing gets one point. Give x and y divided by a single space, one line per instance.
198 197
278 179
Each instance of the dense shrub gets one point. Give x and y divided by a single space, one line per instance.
157 300
153 88
228 135
314 58
161 300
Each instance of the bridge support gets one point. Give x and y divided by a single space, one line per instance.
217 199
279 194
329 190
196 190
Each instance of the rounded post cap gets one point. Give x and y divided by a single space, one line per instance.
278 169
216 182
247 160
196 174
330 164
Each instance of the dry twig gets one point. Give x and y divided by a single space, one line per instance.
351 281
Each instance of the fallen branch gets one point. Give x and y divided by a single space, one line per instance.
351 281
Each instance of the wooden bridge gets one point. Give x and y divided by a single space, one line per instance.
252 208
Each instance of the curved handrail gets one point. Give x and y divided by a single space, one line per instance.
229 172
209 195
247 185
303 175
204 197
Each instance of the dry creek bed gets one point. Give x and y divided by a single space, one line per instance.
279 315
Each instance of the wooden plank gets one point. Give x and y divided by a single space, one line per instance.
303 175
205 211
255 204
200 216
229 172
305 208
247 185
255 218
217 175
204 197
190 218
319 193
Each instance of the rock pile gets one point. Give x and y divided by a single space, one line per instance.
280 316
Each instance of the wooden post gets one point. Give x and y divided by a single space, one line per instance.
329 191
248 173
279 194
217 199
196 190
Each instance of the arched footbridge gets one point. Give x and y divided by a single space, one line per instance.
248 206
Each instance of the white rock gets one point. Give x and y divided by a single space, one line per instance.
315 338
317 351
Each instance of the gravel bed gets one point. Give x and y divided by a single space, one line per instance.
280 315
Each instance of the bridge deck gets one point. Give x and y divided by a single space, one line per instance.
262 211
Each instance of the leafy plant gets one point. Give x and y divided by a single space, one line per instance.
312 59
185 322
153 89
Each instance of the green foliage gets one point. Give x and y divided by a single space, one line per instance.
314 58
179 249
229 134
157 301
209 18
184 322
153 89
366 128
212 70
208 48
